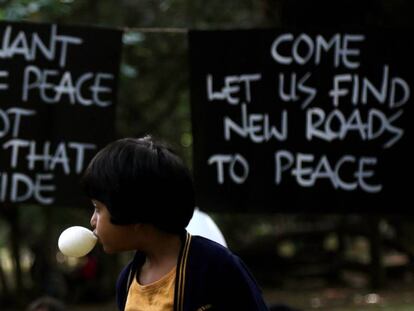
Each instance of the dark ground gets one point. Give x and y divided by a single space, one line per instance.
327 299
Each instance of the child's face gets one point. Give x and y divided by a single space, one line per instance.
114 238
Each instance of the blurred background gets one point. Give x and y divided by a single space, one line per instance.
311 262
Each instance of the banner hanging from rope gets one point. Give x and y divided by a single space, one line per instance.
313 121
58 88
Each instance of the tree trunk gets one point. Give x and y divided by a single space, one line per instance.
376 252
15 247
3 282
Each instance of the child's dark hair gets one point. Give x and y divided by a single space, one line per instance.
141 181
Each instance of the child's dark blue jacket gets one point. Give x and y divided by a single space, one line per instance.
209 277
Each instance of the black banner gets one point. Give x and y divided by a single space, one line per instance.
302 121
58 88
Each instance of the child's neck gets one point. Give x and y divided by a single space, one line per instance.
161 256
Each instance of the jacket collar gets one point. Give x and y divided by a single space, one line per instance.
181 272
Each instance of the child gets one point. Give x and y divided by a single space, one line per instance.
144 198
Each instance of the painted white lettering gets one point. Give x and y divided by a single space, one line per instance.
335 125
406 92
17 181
15 145
303 49
67 156
80 149
256 127
274 51
235 90
19 187
99 89
291 95
281 166
392 90
238 167
18 113
362 174
307 169
60 157
29 45
336 92
51 85
10 120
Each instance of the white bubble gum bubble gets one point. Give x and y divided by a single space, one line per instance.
76 241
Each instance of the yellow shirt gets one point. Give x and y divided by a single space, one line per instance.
157 296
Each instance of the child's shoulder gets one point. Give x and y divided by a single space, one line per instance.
213 261
210 250
205 243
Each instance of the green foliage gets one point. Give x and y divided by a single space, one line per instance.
34 10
